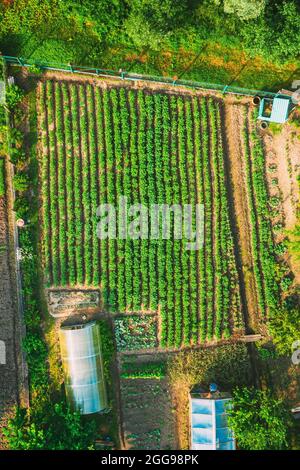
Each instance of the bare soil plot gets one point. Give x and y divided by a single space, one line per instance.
282 151
234 122
148 418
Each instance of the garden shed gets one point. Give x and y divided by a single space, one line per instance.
275 109
208 422
83 368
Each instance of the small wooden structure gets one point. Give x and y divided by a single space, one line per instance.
276 109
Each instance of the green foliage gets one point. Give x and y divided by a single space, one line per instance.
2 177
262 239
280 248
258 420
286 283
53 427
13 96
284 326
294 241
108 349
150 20
21 206
143 371
135 332
21 182
48 423
159 36
226 365
244 9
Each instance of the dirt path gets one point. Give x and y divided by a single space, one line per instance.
234 124
10 372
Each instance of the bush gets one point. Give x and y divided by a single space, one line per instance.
51 427
21 207
13 96
286 283
284 326
21 182
280 248
258 420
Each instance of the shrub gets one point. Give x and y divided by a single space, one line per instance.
284 326
286 283
21 207
13 96
53 427
258 420
21 182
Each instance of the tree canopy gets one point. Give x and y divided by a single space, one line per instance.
259 420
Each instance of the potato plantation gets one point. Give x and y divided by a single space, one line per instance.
99 143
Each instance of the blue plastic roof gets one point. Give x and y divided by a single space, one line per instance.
209 429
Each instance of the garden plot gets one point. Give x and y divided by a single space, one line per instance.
148 418
64 302
152 147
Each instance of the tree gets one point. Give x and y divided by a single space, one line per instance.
284 326
49 426
244 9
150 20
258 420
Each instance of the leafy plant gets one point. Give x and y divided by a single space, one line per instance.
13 96
258 420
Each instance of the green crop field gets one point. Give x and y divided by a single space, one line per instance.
152 147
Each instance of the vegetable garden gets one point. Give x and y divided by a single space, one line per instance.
152 147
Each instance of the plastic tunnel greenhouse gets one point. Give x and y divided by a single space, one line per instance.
208 421
83 368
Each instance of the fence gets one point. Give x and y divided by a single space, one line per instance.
123 75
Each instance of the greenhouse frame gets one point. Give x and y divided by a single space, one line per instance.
83 367
208 422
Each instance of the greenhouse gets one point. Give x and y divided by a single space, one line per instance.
83 368
208 421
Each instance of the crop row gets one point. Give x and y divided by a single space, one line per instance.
262 239
100 144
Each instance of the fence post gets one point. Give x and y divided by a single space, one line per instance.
225 89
